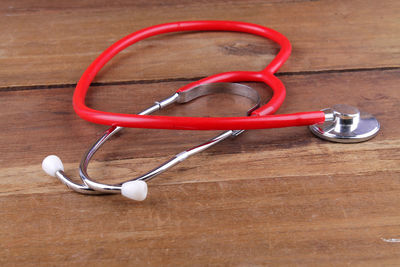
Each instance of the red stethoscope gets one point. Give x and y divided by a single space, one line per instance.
259 119
342 123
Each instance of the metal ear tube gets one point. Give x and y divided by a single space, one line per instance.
136 188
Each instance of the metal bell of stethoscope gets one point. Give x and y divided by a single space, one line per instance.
342 123
347 125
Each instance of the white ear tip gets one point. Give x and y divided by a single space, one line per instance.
136 190
51 164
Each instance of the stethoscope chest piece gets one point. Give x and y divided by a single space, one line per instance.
346 125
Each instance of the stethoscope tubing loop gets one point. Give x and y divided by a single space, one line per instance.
259 120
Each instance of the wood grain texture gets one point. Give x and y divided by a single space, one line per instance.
45 43
278 197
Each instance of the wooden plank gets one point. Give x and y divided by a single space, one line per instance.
292 220
278 197
46 43
54 128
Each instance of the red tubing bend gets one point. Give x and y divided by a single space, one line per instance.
260 119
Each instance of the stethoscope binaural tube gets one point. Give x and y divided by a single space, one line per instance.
136 188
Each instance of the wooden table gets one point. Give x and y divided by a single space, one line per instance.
268 197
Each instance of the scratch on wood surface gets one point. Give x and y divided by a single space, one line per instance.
242 49
391 240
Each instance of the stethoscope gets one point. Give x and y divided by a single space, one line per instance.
342 123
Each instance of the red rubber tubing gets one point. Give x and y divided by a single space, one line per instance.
259 119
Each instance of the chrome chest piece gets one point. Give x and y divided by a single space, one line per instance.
346 124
